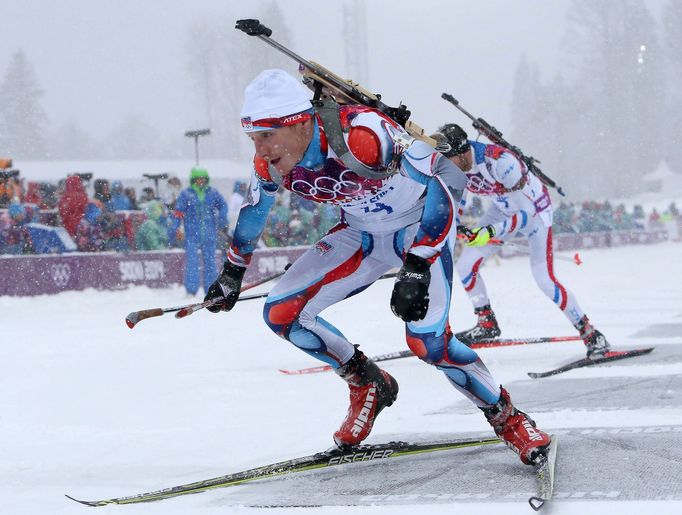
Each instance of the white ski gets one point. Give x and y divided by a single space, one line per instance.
545 474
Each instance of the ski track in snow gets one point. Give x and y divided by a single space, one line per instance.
93 409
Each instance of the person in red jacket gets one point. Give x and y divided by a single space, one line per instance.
72 204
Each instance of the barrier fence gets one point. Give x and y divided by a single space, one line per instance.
48 274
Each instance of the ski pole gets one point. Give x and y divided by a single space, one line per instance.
263 295
193 308
182 311
524 248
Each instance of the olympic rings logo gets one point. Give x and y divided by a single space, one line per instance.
328 189
61 272
477 184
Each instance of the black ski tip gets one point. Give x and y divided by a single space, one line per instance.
588 362
86 503
536 503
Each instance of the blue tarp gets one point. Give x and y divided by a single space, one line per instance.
50 240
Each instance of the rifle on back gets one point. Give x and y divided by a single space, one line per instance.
325 84
495 136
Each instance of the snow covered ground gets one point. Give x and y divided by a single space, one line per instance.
90 408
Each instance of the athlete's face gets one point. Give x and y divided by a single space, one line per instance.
464 161
283 148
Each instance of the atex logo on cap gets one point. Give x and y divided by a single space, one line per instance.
290 120
247 124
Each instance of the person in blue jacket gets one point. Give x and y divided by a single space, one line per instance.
204 212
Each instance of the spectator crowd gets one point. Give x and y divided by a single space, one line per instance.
116 218
603 217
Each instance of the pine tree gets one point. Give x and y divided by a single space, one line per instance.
221 62
70 141
23 121
134 138
672 121
618 71
524 109
541 116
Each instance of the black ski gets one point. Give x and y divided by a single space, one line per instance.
588 362
545 473
315 461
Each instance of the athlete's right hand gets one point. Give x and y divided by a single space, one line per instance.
227 286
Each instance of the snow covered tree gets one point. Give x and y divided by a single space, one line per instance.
221 62
134 138
672 121
23 121
542 121
618 71
525 108
70 141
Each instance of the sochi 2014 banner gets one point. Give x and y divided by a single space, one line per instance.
54 273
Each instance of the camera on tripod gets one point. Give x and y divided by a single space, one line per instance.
8 174
156 177
5 172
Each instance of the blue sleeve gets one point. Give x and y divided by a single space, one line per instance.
179 211
444 188
437 220
251 221
221 206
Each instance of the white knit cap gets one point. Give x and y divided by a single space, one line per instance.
272 98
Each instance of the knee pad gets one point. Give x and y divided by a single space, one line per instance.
427 346
281 315
440 350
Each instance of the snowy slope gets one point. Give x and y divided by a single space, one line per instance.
93 409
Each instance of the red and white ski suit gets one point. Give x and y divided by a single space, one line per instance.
413 210
520 205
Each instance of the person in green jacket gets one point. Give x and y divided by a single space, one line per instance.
153 233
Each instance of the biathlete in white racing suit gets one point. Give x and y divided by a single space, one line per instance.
403 218
520 205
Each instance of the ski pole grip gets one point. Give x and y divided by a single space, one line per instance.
133 318
149 313
253 27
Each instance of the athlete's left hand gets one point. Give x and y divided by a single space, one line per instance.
227 286
464 232
481 236
410 299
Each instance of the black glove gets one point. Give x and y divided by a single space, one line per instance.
227 286
465 231
410 299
